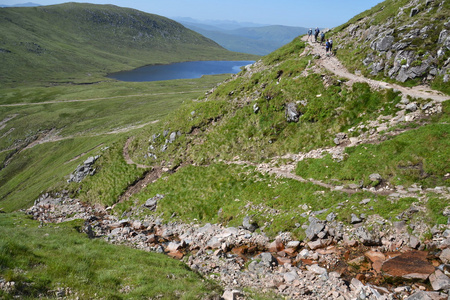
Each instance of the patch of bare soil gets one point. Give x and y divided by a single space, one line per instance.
137 186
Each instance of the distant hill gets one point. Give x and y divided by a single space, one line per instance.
28 4
259 40
86 41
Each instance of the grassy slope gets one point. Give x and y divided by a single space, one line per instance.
84 126
84 42
223 126
41 260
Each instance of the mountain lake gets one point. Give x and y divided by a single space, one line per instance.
183 70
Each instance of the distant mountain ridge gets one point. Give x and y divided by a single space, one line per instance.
86 40
28 4
257 39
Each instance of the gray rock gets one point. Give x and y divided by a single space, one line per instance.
316 269
364 201
172 137
439 281
414 12
152 203
445 256
419 296
383 44
83 170
213 243
290 276
366 237
293 244
314 228
340 137
414 242
355 219
231 295
331 217
268 260
375 177
443 36
249 224
292 114
255 108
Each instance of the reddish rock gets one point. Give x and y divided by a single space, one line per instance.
377 259
176 254
284 260
409 265
275 246
290 252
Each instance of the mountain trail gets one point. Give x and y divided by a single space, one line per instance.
332 64
97 99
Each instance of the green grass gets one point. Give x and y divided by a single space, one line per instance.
418 156
42 259
198 193
82 43
84 127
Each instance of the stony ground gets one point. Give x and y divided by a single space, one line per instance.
335 262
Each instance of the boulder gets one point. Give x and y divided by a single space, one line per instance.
375 177
420 295
409 265
292 114
384 44
249 224
414 12
314 228
316 269
439 281
445 256
231 295
366 237
151 203
268 260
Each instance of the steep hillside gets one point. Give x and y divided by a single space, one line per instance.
84 41
294 172
405 41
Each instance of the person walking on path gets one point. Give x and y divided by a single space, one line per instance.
322 38
316 33
331 46
309 34
327 47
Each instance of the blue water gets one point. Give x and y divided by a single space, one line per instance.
184 70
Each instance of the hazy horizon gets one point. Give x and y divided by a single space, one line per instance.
298 13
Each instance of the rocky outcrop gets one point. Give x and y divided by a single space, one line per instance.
414 49
84 170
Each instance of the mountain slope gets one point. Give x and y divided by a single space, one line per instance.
404 41
84 40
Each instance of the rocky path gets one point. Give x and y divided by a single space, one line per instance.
334 262
332 64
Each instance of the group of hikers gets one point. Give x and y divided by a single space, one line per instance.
328 43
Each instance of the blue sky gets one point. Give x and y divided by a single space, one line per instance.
303 13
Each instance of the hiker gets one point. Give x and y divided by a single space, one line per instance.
322 38
316 33
309 34
331 47
327 47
